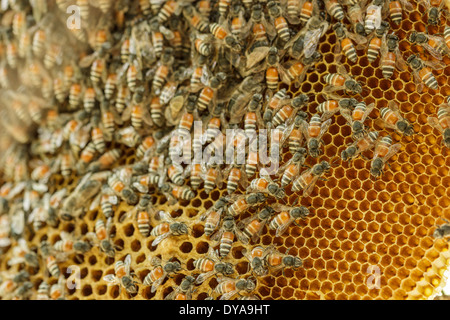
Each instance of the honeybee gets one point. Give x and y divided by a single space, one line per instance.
308 178
262 30
120 181
367 142
280 23
442 123
291 169
377 41
167 228
243 202
443 231
68 245
434 9
101 237
334 9
286 216
435 45
345 44
242 95
157 275
252 227
334 104
391 57
21 253
422 72
266 185
356 17
105 161
375 12
295 71
384 150
225 38
128 136
341 81
195 19
236 176
174 192
213 215
211 265
391 117
313 132
229 287
225 236
143 211
43 291
306 41
357 117
97 62
184 291
277 261
256 257
122 275
237 21
396 8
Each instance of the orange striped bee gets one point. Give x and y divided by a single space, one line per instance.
374 13
447 36
167 10
334 104
344 44
229 287
285 217
375 44
396 8
105 161
366 142
391 57
163 69
266 185
334 9
243 202
341 81
211 265
306 41
157 275
434 9
291 169
391 117
195 19
308 178
184 291
225 236
168 227
313 132
279 21
422 72
236 176
442 123
357 117
213 215
295 71
101 237
212 176
277 261
122 275
252 227
384 150
435 45
257 259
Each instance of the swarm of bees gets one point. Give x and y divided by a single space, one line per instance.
140 76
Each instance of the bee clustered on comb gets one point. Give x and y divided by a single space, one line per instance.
85 120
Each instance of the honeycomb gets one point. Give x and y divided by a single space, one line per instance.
356 222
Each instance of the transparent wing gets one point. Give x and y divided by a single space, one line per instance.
392 150
160 238
310 187
203 276
369 109
311 41
282 228
324 128
110 278
256 56
158 282
434 122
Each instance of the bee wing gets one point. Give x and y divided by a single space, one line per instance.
127 263
395 108
434 122
369 109
109 224
310 187
88 60
324 128
282 228
311 41
436 54
392 150
407 5
216 235
165 216
304 128
347 115
18 222
436 65
270 28
160 238
256 56
203 276
110 278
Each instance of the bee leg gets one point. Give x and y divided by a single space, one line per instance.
364 157
323 179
